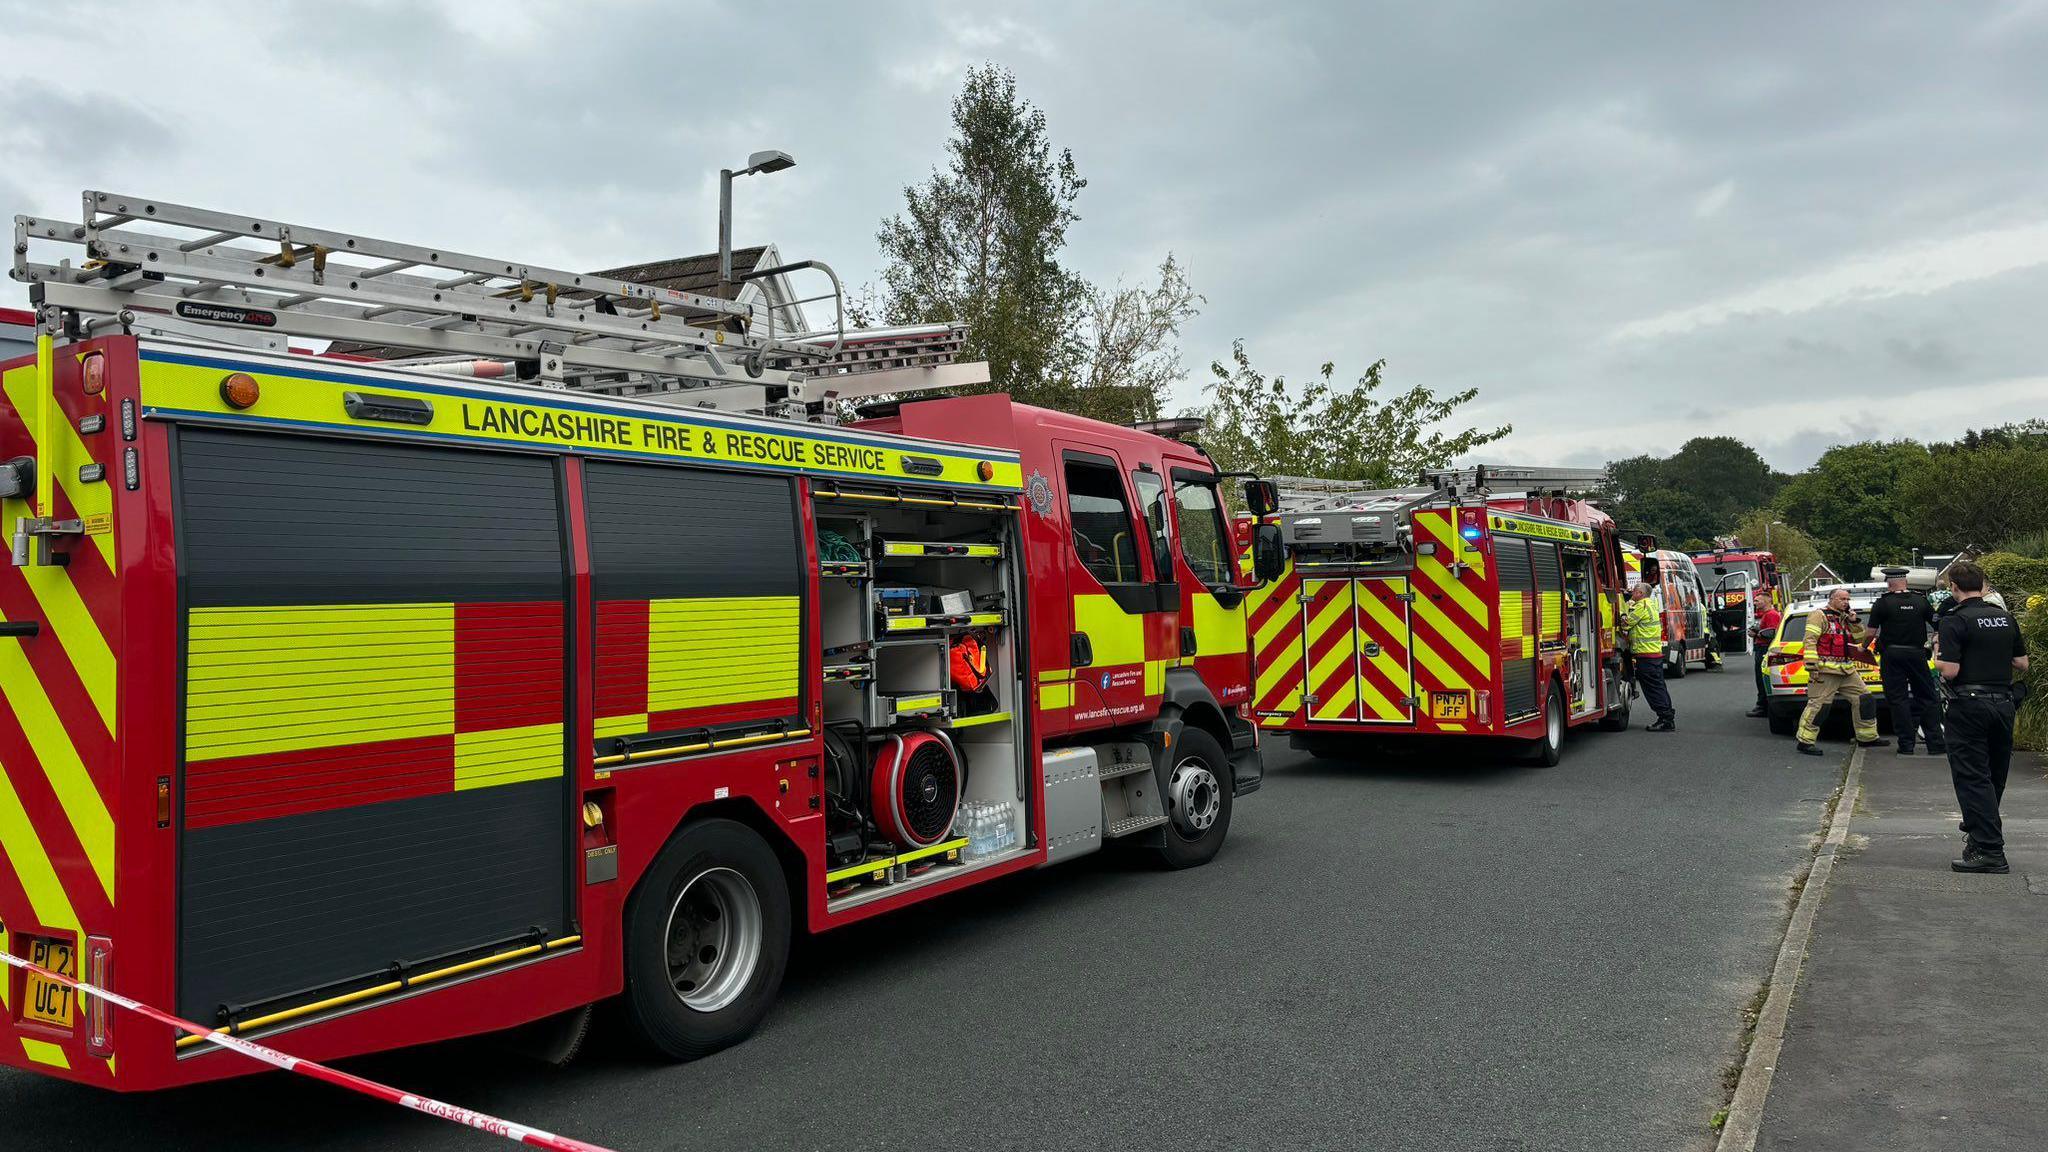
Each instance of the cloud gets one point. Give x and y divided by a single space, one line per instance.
1713 200
1914 270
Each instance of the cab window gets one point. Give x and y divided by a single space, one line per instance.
1204 540
1101 522
1152 502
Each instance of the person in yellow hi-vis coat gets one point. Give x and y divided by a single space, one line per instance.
1834 635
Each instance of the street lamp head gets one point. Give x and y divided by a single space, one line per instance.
770 161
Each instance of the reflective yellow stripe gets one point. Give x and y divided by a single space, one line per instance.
80 798
1453 634
1395 671
1115 636
61 463
1333 615
1052 696
631 725
712 650
1219 631
1552 606
1427 657
44 1053
507 756
31 865
282 679
76 633
1440 525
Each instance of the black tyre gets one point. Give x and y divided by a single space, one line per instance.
1675 669
1616 719
1784 722
1546 750
707 940
1198 795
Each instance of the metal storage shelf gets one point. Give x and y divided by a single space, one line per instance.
897 625
936 550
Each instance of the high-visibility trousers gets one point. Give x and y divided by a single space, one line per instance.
1821 689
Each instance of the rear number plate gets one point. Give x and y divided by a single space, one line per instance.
1450 705
46 1001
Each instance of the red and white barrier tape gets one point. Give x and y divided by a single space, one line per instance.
533 1137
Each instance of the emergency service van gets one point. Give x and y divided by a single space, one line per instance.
365 703
1479 602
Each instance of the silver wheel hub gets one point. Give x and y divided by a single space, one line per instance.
1193 798
1554 726
713 939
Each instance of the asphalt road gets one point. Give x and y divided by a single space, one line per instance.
1421 953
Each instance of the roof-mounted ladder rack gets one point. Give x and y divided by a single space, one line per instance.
175 269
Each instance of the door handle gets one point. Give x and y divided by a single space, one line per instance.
1080 649
1187 641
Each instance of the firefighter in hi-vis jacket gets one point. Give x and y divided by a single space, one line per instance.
1834 639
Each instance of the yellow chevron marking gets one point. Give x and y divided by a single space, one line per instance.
1337 706
43 1052
1395 671
79 636
507 756
1427 657
1453 634
70 453
1053 696
1441 526
1376 701
31 865
81 800
1433 570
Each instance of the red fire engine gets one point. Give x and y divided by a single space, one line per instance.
1479 602
1741 583
368 704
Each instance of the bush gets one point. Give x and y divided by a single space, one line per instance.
2015 577
2032 545
2032 729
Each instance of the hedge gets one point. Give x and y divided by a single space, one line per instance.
2016 577
2032 729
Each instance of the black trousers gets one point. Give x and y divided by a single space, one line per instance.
1909 690
1763 696
1650 674
1979 756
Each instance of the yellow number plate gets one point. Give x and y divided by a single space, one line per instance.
1450 705
46 1001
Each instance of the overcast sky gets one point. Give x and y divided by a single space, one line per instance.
1626 224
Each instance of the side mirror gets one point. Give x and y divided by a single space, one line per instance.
1261 497
1269 557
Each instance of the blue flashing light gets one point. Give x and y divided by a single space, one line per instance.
1471 531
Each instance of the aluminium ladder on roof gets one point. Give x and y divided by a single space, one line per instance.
179 270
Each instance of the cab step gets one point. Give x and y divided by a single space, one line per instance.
1130 825
1112 771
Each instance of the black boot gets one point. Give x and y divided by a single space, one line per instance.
1806 749
1664 725
1937 749
1977 859
1756 713
1905 749
1870 743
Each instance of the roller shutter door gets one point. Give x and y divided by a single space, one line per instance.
372 767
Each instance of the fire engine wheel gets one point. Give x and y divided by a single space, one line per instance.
1546 750
1616 719
707 939
1675 669
1198 796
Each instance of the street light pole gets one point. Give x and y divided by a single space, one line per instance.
758 162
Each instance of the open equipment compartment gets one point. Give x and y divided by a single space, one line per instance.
918 598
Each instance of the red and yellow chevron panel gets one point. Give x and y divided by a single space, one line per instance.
58 751
666 665
304 708
1275 620
1453 627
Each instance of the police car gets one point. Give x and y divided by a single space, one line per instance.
1785 673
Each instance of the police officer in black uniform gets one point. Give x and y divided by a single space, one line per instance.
1901 620
1978 647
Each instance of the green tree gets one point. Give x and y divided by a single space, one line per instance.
1329 430
1849 503
1983 496
1695 494
979 241
1796 551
